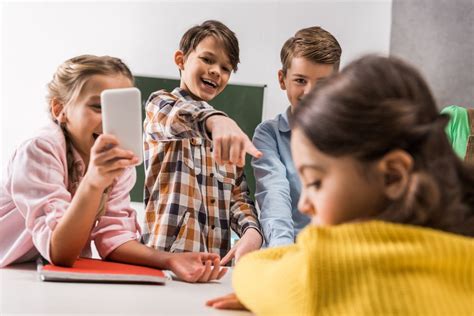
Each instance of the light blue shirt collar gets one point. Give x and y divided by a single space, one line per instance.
283 122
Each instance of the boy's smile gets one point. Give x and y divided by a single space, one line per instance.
205 71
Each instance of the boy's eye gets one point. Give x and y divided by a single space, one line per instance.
300 81
226 69
206 60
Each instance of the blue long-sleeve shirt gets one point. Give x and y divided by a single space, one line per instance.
277 185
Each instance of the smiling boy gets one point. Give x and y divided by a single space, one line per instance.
195 188
308 57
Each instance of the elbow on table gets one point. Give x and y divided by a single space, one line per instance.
63 261
61 255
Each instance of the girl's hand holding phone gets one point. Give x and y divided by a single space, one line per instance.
107 161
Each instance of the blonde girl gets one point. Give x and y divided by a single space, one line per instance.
70 184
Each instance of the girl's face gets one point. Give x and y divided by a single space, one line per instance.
83 116
335 189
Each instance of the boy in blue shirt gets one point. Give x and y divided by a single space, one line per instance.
308 57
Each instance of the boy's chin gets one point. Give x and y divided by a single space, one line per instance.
209 94
198 94
206 97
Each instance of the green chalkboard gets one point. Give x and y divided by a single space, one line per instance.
242 103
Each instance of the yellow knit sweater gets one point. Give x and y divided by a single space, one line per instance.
370 268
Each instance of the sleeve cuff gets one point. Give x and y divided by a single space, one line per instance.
280 242
109 243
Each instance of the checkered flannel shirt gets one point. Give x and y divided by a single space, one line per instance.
191 201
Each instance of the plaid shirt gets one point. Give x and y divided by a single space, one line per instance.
191 201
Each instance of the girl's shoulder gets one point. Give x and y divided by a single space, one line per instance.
39 154
49 138
377 231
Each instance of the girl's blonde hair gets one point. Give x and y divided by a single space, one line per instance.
378 104
72 74
66 86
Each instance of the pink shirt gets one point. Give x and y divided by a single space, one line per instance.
34 197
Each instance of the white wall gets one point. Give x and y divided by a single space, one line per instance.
36 37
444 30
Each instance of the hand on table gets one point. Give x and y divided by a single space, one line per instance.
250 241
196 266
229 301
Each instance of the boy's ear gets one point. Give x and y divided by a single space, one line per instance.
395 167
179 59
281 79
57 110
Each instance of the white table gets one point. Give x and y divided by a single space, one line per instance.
21 291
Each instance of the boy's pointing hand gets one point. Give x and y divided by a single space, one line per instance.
229 141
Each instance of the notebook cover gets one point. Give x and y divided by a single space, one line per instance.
95 270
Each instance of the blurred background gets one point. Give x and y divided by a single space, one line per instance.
36 36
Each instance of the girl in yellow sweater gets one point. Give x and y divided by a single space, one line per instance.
392 206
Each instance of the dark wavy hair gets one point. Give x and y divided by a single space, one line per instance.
378 104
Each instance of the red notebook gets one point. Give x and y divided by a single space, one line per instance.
94 270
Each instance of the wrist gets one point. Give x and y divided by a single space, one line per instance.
214 119
88 184
164 260
254 236
210 121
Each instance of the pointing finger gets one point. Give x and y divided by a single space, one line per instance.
252 150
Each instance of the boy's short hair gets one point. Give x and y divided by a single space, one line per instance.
312 43
219 31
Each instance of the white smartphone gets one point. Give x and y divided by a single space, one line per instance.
122 117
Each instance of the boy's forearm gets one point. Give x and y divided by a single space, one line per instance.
273 196
178 119
195 118
213 119
279 238
242 221
254 237
276 217
244 215
242 209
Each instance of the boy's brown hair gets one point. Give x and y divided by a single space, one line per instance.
312 43
219 31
